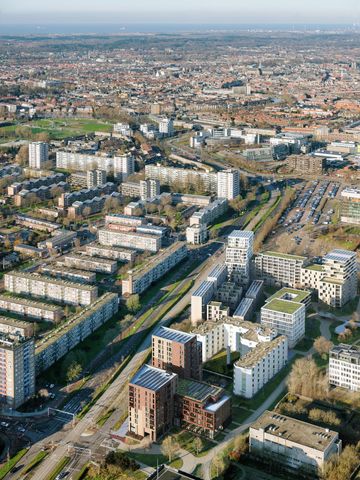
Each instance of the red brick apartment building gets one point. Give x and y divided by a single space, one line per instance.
178 352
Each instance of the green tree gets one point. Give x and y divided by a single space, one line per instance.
198 445
73 371
133 303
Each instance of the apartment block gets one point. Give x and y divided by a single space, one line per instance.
178 352
200 297
229 293
181 176
114 253
209 213
201 406
286 317
350 206
17 370
292 443
344 367
138 280
69 198
130 189
307 163
38 154
196 235
239 252
259 366
31 309
36 223
92 206
16 327
279 269
121 166
228 184
71 274
151 402
133 240
36 183
99 265
149 189
51 289
95 178
59 342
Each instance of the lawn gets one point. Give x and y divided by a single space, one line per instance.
59 467
312 331
186 441
239 415
35 462
147 458
218 363
5 469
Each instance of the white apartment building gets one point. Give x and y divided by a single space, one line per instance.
339 284
228 184
196 235
200 297
344 367
237 336
121 166
17 370
238 255
133 240
49 288
114 253
38 154
71 274
292 443
149 189
209 213
350 206
99 265
181 176
28 308
95 178
166 127
138 281
279 269
286 317
259 365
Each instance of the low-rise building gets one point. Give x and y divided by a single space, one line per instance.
115 253
71 274
292 443
133 240
99 265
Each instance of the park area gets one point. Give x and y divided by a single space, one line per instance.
56 128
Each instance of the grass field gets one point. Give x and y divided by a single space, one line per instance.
312 331
57 128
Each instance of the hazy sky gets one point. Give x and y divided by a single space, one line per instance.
180 11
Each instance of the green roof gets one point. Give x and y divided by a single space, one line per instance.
196 390
315 266
283 306
299 295
285 256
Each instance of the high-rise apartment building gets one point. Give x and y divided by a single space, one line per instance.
239 252
178 352
95 178
228 184
280 269
38 154
166 127
350 206
149 189
17 369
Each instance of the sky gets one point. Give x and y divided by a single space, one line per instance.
180 11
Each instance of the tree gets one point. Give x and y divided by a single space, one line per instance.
73 371
121 460
22 157
86 212
322 345
219 465
307 379
198 444
169 447
342 466
133 303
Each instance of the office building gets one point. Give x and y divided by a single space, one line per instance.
350 206
151 402
132 240
38 154
149 189
287 317
292 443
178 352
279 269
259 366
17 370
239 252
228 184
138 280
45 287
344 367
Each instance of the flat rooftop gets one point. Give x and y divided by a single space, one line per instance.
295 431
339 255
173 335
151 378
198 391
29 303
285 256
53 281
257 353
282 306
241 234
291 294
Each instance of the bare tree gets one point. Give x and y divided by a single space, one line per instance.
322 345
170 447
